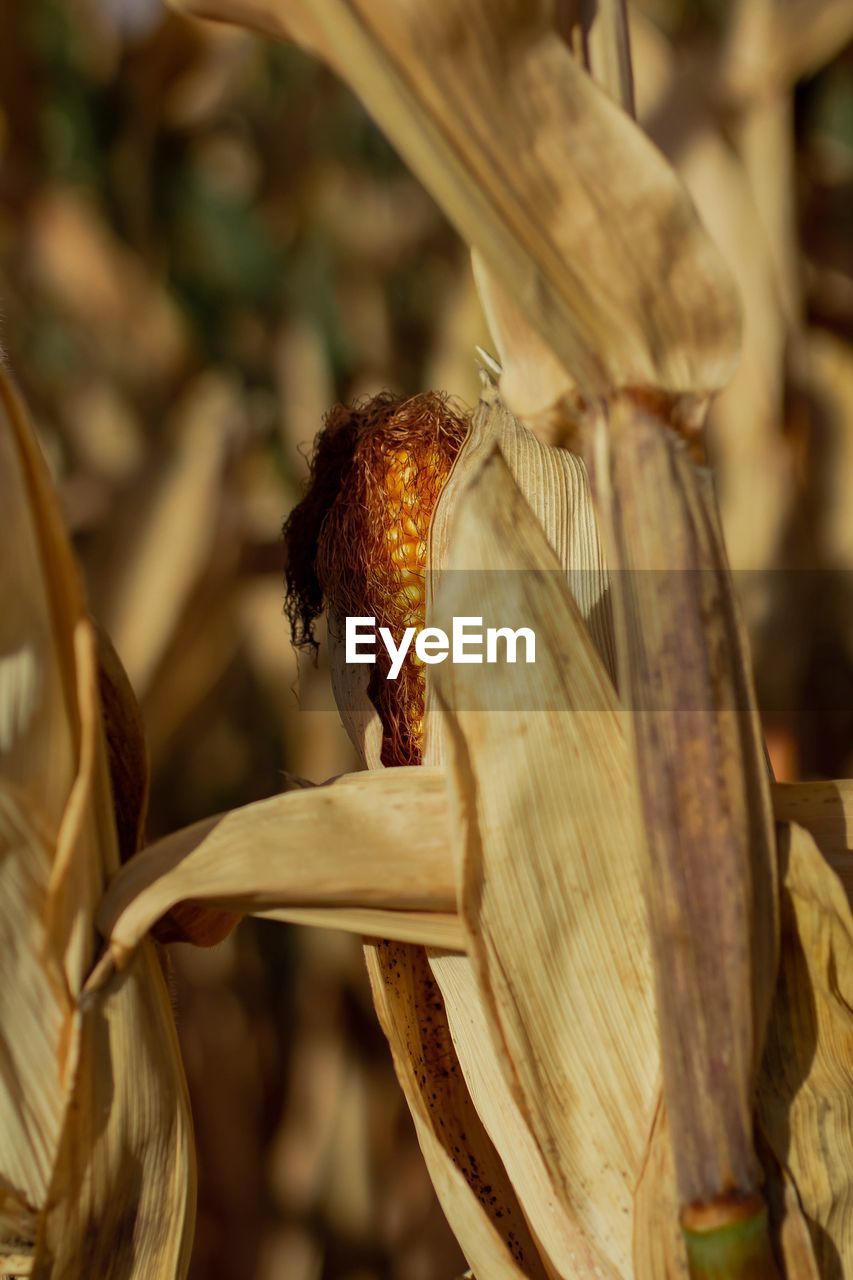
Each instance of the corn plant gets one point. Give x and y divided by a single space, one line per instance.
611 958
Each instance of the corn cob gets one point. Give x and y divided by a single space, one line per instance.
357 543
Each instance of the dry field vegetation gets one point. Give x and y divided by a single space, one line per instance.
611 946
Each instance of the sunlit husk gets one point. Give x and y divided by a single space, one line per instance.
368 841
549 861
555 486
565 1249
470 1179
95 1140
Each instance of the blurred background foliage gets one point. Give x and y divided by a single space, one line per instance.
204 243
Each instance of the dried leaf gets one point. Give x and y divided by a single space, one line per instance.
122 1195
548 836
555 485
807 1073
565 1251
376 840
470 1180
533 381
95 1145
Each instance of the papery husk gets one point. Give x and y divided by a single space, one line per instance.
806 1084
549 853
377 840
95 1139
38 756
30 1119
565 1251
577 215
470 1180
555 485
710 878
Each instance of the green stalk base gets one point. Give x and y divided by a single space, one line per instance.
737 1249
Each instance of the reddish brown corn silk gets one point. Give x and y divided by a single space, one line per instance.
356 544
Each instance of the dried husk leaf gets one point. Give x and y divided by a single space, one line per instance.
549 836
577 215
555 485
807 1072
471 1182
565 1251
710 878
98 1163
534 383
377 840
